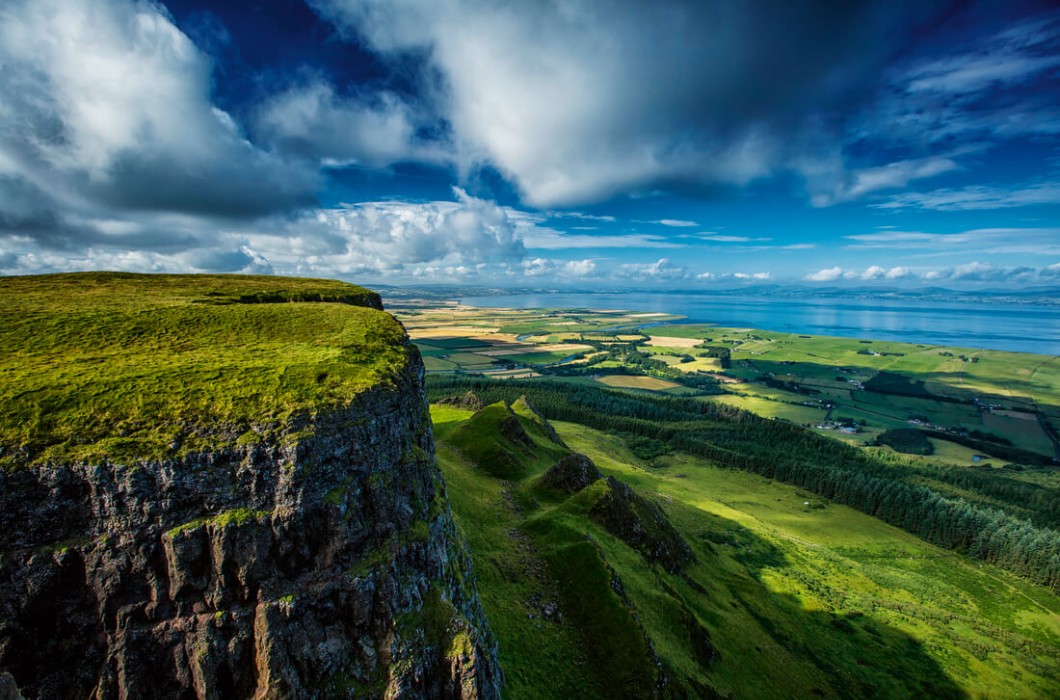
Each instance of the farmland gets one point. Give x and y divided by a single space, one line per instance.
979 407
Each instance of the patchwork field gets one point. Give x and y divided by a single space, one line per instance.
771 408
501 342
977 405
672 342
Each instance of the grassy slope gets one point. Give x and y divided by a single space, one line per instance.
798 601
96 365
540 659
485 442
989 632
533 555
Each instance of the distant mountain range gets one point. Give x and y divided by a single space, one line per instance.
1049 296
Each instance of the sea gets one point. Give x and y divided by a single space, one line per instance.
1014 327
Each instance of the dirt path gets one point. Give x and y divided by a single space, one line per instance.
1015 590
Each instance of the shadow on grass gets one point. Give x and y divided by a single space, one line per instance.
852 655
717 630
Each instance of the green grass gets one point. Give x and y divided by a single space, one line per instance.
547 321
1017 381
1020 431
458 343
539 358
238 516
122 367
470 360
430 350
540 658
827 365
1019 376
790 595
947 452
596 649
503 443
615 643
686 330
943 413
770 408
437 364
982 627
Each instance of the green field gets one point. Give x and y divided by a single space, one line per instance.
770 408
1017 376
791 593
119 366
470 360
777 374
437 364
623 381
538 658
539 358
830 366
793 596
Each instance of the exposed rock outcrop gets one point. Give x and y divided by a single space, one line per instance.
571 474
321 563
470 401
522 407
512 430
642 525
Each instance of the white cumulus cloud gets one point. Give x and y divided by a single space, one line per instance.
106 106
314 121
579 268
826 275
661 269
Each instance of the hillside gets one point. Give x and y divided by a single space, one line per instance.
224 487
121 366
607 575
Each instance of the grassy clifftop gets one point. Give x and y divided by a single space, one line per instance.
122 366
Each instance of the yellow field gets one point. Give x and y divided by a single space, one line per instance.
630 382
704 364
436 331
669 342
525 349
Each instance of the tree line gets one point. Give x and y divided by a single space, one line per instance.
987 515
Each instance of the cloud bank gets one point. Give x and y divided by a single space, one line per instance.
115 153
612 97
973 272
107 108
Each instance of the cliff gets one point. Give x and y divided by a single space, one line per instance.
295 541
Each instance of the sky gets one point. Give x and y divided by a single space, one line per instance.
672 144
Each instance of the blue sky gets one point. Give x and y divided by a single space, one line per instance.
561 142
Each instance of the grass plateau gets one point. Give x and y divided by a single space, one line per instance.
118 366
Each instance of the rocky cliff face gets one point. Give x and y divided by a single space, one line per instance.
323 563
